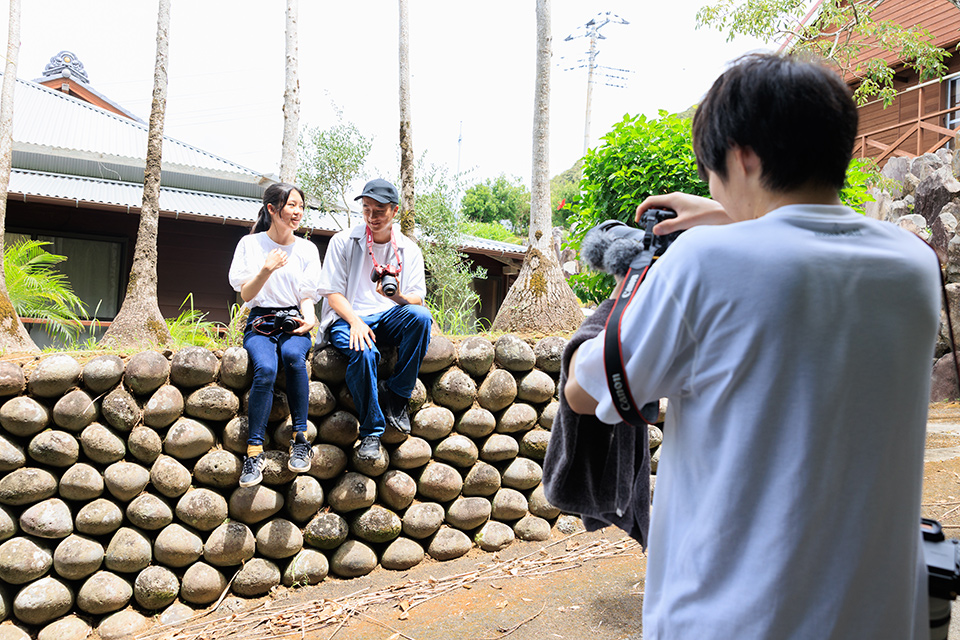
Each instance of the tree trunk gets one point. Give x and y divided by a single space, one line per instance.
13 336
291 99
540 300
407 199
139 323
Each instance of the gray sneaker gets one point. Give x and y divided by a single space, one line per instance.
369 448
300 454
252 471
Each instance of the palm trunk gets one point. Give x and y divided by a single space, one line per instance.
407 204
291 99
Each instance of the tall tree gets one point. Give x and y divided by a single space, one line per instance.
330 160
139 322
291 98
540 300
407 197
13 336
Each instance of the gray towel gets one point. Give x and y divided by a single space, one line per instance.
599 471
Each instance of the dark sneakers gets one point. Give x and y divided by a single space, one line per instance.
252 472
394 408
369 448
300 454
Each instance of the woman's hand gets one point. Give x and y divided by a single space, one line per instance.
275 259
691 211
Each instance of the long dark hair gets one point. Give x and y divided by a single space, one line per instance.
276 194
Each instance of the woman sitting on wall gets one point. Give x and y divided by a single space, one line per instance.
276 275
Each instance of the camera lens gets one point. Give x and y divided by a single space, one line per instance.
389 284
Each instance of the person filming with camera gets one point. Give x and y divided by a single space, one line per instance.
373 285
794 339
276 274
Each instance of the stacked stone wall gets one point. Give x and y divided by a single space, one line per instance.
118 478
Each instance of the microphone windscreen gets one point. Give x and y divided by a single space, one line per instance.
593 247
619 255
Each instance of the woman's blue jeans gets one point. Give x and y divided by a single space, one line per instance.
263 351
407 327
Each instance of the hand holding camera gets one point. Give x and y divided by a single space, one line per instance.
387 277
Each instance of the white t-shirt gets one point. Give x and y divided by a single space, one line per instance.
288 285
796 353
367 301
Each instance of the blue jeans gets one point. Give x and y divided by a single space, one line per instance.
407 327
263 351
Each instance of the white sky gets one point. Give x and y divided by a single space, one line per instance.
472 66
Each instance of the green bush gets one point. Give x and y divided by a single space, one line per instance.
491 231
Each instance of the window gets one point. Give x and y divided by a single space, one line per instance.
952 119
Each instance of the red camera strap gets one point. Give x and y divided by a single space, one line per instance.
393 243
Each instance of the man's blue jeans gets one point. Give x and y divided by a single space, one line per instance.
407 327
263 352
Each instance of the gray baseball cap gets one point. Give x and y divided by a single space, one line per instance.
381 191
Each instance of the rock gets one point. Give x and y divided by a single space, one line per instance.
655 435
235 369
536 386
279 538
42 601
943 382
509 504
476 356
102 373
422 520
256 578
12 382
202 584
120 410
518 417
413 453
24 416
236 433
351 492
497 390
326 531
145 444
328 461
254 504
549 352
494 536
396 489
532 528
218 468
129 551
547 415
307 567
125 480
540 506
476 422
104 592
935 190
74 411
449 544
468 513
499 447
329 365
10 631
522 474
402 554
48 519
514 354
534 444
69 628
353 559
146 372
212 403
321 400
376 525
77 557
482 480
454 389
24 560
53 376
175 614
340 428
155 587
122 625
26 486
439 482
304 498
187 439
99 517
11 455
283 434
54 448
458 450
275 469
8 527
163 408
101 445
169 477
418 398
432 423
177 546
440 355
279 407
149 512
193 367
230 544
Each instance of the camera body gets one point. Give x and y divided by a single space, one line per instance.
286 321
942 558
612 246
650 219
387 277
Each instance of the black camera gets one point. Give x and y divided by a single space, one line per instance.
387 278
650 219
286 321
612 246
942 557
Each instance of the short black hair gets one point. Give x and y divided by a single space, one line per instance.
796 114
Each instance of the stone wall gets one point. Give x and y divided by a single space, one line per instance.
118 479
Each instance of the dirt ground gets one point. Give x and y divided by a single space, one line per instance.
585 585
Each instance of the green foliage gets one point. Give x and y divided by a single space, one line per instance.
38 290
500 200
450 295
491 231
564 188
639 157
191 328
329 161
841 31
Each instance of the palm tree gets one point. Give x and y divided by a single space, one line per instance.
139 322
540 299
407 199
291 99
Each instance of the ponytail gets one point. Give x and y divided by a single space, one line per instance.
277 195
263 221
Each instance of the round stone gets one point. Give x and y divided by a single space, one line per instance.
235 369
12 381
147 511
8 527
129 551
307 567
187 439
212 403
11 455
432 423
326 531
540 506
458 450
413 453
536 386
53 376
449 544
476 422
279 538
74 411
120 410
283 434
218 468
175 614
423 519
499 447
275 469
230 544
235 435
340 428
494 536
476 356
396 489
549 353
522 474
514 354
329 365
498 390
256 578
54 448
24 416
101 445
145 444
169 477
27 485
202 584
164 407
42 601
376 525
509 504
177 546
440 482
104 592
516 418
304 498
254 504
468 513
102 373
155 587
534 443
353 559
202 509
547 415
77 557
24 560
482 480
193 367
402 554
122 625
321 400
146 372
48 519
454 389
69 628
125 480
353 491
532 528
99 517
440 355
